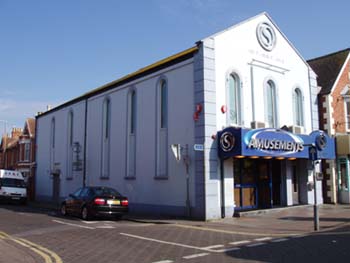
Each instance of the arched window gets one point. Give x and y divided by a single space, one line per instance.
234 99
52 142
106 119
298 107
70 145
53 131
163 104
270 104
162 129
131 134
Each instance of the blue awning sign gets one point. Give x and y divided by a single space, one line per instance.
269 142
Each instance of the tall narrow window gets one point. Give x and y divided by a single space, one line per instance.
70 145
162 129
271 104
298 107
131 140
347 113
163 105
106 119
52 143
27 152
234 100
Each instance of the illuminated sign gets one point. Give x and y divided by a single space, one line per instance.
227 141
271 141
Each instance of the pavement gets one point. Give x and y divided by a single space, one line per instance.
292 220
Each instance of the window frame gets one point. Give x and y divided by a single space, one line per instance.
233 77
270 94
162 125
105 136
298 107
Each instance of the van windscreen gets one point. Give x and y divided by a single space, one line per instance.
11 182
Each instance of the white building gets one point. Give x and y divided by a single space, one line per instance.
120 135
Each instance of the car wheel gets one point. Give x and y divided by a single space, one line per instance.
64 209
85 213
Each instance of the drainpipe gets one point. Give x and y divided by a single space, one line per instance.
222 177
85 136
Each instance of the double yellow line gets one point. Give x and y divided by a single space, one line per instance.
48 255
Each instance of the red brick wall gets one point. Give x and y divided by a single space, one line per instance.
338 101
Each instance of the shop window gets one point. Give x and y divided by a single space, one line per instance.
298 107
233 100
105 156
162 129
131 140
270 104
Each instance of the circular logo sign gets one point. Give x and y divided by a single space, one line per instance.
266 36
227 141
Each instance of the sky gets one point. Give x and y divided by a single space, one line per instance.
53 51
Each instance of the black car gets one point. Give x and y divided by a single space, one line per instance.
94 201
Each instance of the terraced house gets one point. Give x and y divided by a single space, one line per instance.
221 127
333 72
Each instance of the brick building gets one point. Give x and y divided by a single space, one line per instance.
18 153
333 72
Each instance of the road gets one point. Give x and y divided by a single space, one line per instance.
29 234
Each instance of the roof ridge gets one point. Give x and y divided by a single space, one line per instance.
329 55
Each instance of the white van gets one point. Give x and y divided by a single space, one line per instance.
12 186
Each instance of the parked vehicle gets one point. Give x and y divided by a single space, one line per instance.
93 201
12 186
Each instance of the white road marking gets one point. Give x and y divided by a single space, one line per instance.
164 261
196 255
214 246
164 242
70 224
263 239
279 240
106 227
256 244
88 222
228 249
240 242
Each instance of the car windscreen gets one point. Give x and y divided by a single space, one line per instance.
106 192
11 182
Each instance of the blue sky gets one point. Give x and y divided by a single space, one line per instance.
52 51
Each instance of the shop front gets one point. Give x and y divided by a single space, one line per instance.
271 167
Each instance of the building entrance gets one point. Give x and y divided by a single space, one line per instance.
257 183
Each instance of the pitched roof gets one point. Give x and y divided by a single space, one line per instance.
328 68
30 125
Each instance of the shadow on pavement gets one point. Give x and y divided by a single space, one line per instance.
324 219
326 246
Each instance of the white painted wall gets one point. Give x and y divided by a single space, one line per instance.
144 189
43 137
235 48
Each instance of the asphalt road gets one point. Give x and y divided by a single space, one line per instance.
29 234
